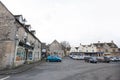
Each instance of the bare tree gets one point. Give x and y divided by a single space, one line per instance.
65 46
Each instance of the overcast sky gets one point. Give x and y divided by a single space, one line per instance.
75 21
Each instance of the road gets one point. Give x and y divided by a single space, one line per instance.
69 69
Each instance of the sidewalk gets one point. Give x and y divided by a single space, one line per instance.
20 69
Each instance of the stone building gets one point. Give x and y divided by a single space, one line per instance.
109 49
18 43
98 49
55 48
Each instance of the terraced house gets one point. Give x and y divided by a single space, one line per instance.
97 49
18 43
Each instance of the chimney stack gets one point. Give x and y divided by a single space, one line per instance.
33 32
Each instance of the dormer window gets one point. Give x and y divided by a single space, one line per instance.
28 27
20 19
33 32
113 45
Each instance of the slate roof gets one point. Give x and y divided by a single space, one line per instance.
111 45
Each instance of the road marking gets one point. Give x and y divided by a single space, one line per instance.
5 78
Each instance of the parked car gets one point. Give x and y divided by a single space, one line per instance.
81 57
75 57
104 59
86 58
114 59
100 59
118 58
71 55
78 57
93 60
54 58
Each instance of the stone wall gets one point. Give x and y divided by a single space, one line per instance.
7 29
7 49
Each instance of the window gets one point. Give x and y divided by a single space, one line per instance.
106 50
20 54
113 50
30 55
86 50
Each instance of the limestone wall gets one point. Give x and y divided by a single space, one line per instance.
7 49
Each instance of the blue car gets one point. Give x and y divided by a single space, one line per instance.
54 58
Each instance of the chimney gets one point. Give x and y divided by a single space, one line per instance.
112 41
80 44
33 32
28 27
98 41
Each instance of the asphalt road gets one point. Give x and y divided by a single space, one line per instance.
69 69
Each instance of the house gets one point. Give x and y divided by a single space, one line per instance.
74 49
55 48
18 43
109 49
86 50
97 49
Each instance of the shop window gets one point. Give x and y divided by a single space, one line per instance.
113 50
30 55
20 54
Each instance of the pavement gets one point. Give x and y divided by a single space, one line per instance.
20 69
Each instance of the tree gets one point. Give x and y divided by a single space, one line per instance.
65 46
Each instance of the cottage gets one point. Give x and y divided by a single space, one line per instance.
55 48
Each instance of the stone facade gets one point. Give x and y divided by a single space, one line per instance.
6 54
7 26
109 49
55 48
98 49
18 44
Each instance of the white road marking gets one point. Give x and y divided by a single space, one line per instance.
5 78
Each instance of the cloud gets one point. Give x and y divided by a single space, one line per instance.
76 21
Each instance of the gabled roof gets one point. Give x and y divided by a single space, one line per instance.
6 8
55 41
99 44
17 15
111 45
18 21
